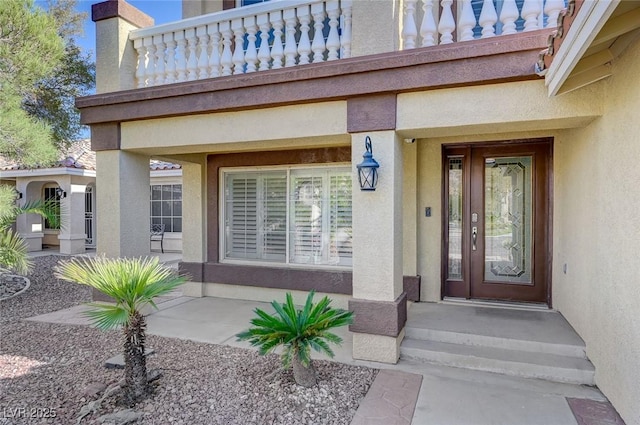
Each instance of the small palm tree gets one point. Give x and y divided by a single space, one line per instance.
298 331
133 283
13 248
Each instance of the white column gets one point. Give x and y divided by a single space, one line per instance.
277 50
194 231
30 226
531 10
508 16
72 233
304 44
488 19
409 30
238 51
466 21
122 204
251 56
552 10
203 58
377 239
333 40
318 46
264 54
192 47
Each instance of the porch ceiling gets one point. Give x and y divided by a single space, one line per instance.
582 51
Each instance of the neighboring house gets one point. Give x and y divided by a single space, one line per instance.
71 182
494 181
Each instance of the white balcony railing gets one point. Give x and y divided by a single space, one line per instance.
264 36
287 33
475 19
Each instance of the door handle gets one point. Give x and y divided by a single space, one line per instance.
474 237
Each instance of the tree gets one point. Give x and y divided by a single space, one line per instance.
30 50
298 331
13 248
133 283
52 99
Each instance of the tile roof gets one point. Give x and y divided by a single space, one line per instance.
79 155
565 19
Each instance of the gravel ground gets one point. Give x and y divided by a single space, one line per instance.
46 293
54 370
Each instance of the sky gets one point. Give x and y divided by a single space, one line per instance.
162 11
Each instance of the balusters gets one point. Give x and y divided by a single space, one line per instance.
181 56
304 44
192 49
251 55
447 24
277 50
467 21
553 9
333 39
488 19
290 49
318 46
227 38
203 59
530 12
264 56
141 80
409 32
508 17
158 42
428 29
214 57
238 50
151 61
345 38
170 70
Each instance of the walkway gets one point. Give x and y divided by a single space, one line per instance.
447 395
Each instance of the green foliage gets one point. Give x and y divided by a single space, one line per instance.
30 50
132 282
13 253
52 100
297 330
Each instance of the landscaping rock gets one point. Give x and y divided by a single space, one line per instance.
94 389
122 417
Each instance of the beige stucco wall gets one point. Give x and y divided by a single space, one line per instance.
379 17
597 235
311 125
191 8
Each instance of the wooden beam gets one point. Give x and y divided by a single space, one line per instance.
585 78
618 26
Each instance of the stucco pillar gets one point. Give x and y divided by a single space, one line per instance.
378 301
30 226
375 27
122 202
72 233
194 226
116 59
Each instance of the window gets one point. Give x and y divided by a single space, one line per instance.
166 206
240 3
289 216
51 194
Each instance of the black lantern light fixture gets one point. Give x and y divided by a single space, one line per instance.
61 193
368 168
18 193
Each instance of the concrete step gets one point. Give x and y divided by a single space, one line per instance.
569 349
513 362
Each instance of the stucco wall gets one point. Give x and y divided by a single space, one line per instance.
597 236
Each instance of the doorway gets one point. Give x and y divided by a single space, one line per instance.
496 233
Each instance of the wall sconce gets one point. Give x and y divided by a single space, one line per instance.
61 193
368 168
18 193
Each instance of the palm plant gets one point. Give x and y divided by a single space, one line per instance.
13 249
133 283
298 330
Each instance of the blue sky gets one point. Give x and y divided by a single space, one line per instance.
161 11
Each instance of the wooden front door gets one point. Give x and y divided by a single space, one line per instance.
496 233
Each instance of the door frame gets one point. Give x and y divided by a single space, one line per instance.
465 149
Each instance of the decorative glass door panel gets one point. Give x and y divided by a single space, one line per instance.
508 213
496 230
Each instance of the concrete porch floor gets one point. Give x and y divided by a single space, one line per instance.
447 395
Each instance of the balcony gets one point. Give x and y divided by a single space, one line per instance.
289 33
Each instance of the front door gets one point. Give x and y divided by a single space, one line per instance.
496 232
